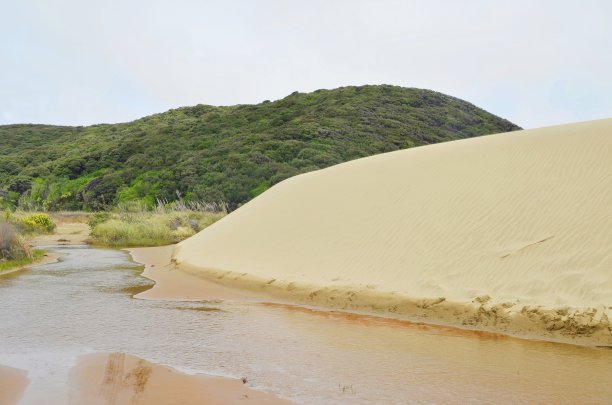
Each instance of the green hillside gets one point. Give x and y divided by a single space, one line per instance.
224 154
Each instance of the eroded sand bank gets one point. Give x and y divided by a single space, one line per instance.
13 383
508 233
118 378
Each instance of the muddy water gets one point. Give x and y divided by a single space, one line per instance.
83 304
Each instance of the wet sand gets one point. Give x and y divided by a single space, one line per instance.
117 378
13 383
176 285
477 362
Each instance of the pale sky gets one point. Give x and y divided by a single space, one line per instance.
80 62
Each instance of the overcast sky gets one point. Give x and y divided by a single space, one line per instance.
81 62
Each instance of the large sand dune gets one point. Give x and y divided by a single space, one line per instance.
509 232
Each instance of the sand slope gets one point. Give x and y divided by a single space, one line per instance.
509 232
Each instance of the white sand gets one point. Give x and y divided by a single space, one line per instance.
509 232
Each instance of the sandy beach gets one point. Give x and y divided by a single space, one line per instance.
13 383
117 378
507 233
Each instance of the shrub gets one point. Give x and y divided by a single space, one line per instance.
12 245
151 228
115 232
38 223
97 218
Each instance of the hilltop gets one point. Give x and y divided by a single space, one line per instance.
225 154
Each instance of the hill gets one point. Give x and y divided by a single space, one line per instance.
508 233
225 154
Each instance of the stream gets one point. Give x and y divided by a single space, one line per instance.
82 304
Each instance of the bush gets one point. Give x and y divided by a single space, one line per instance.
150 228
115 232
38 223
97 218
12 245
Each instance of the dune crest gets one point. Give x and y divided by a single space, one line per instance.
509 233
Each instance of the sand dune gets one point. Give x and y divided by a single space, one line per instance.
509 232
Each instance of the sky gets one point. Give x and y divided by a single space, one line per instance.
81 62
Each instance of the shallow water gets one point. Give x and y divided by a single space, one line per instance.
51 314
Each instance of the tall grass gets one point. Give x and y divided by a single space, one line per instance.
5 265
12 245
30 223
14 250
134 224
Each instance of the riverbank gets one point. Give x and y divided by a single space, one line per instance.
175 285
117 378
67 232
46 257
182 283
13 383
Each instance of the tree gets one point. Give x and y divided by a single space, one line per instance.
20 184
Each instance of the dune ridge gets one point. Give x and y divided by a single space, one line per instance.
509 233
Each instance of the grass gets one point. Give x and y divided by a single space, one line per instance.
29 223
12 245
11 264
14 249
133 225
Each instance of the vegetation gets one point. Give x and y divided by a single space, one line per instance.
136 225
5 265
223 154
29 223
38 223
14 250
